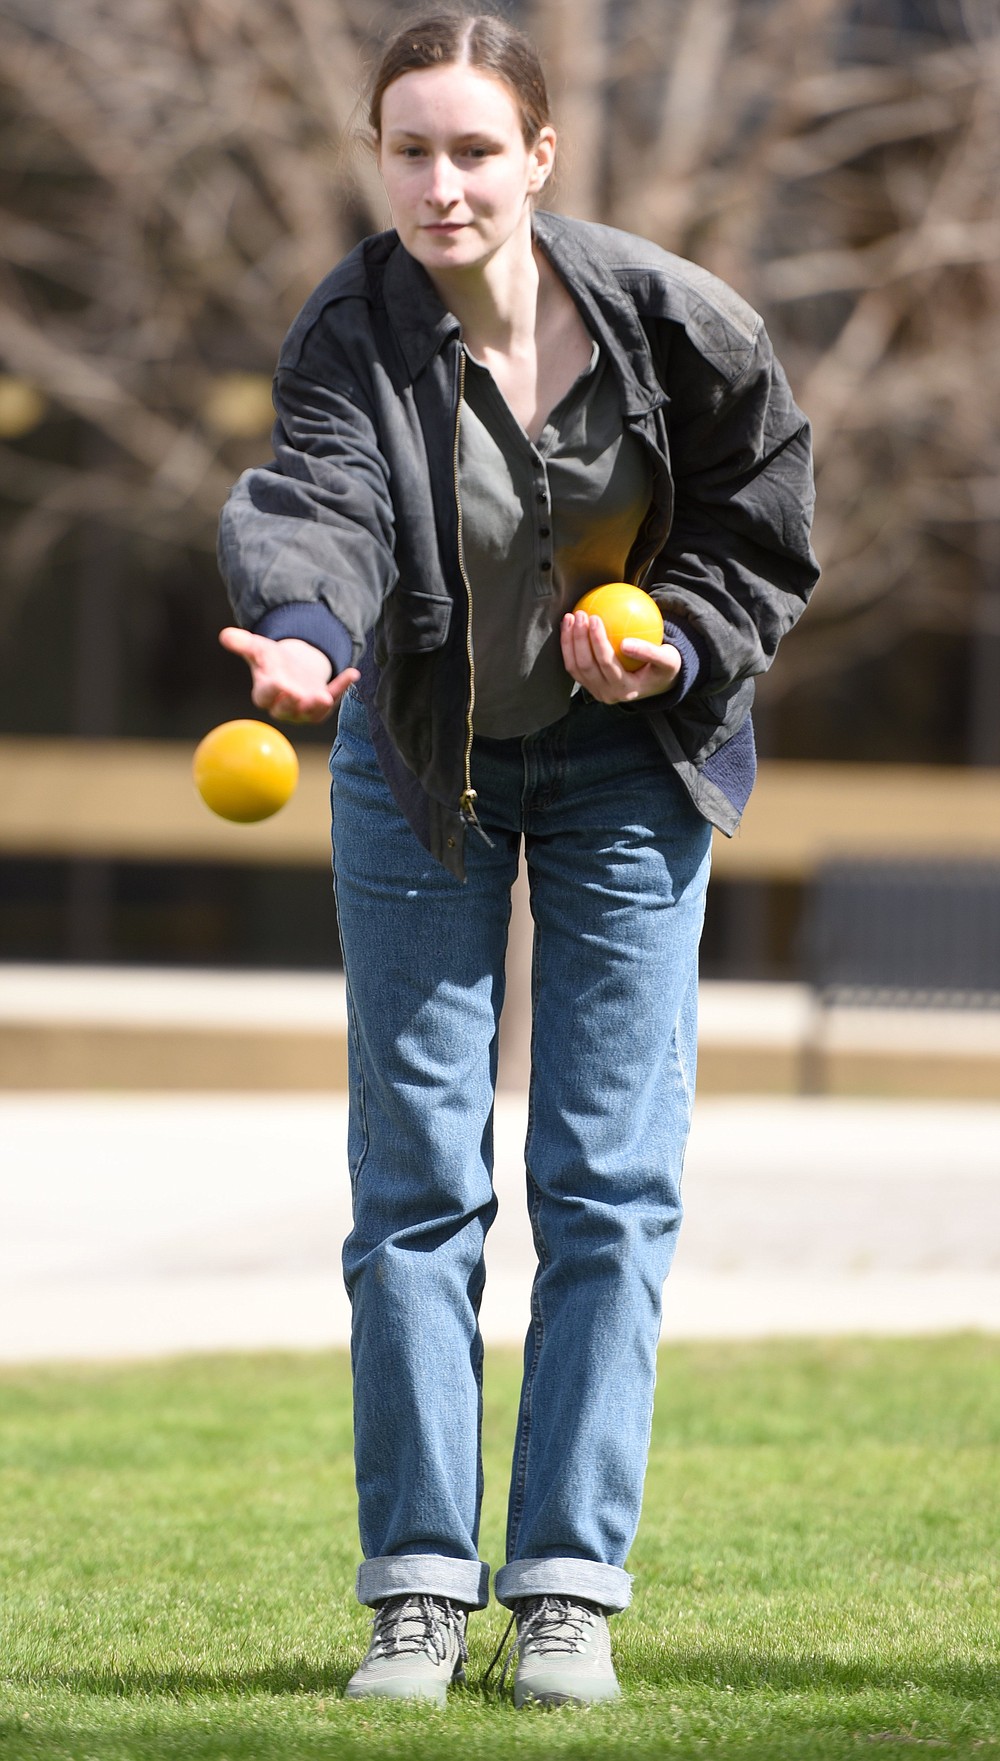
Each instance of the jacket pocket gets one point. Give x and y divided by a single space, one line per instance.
414 623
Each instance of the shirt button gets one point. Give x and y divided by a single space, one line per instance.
545 566
545 531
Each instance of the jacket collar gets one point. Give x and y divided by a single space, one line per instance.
574 248
423 325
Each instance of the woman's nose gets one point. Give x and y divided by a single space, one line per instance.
443 188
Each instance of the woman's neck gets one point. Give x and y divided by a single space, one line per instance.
497 302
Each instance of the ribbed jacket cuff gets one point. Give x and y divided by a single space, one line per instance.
692 660
308 621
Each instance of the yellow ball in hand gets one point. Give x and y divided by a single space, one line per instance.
624 610
245 770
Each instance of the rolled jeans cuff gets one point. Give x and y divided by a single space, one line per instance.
582 1579
424 1574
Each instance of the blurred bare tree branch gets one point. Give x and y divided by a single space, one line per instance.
847 180
174 188
176 182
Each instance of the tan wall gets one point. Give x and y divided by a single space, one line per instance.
124 799
121 798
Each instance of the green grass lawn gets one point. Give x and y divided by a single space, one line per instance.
816 1573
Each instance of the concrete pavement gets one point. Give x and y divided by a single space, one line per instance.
143 1224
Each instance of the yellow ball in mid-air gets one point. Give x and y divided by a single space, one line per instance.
624 610
245 770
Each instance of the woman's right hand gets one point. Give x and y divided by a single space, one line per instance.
291 679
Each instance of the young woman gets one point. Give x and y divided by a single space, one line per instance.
481 414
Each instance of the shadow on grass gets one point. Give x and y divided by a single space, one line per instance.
285 1676
668 1669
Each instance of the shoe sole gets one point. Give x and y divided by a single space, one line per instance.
429 1696
528 1698
435 1693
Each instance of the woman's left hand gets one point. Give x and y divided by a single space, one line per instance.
590 659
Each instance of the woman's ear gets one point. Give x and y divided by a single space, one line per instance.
543 155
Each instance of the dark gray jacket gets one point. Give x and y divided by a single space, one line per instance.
351 537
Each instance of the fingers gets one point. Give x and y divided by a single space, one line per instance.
590 659
302 705
290 678
242 642
291 706
661 657
587 654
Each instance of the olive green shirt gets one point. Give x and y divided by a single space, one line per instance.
542 523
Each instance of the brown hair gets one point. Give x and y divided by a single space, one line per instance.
479 40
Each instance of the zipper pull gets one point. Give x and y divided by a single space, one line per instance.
468 806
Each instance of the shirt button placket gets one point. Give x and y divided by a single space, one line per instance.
543 528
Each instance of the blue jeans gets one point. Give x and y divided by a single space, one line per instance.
618 863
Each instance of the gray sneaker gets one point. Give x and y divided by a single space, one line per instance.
417 1648
564 1653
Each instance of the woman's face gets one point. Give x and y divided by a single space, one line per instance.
456 170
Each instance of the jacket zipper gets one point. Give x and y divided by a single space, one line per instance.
467 800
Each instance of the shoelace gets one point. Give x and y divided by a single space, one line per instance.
544 1626
556 1625
412 1624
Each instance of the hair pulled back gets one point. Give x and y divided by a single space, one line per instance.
479 40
